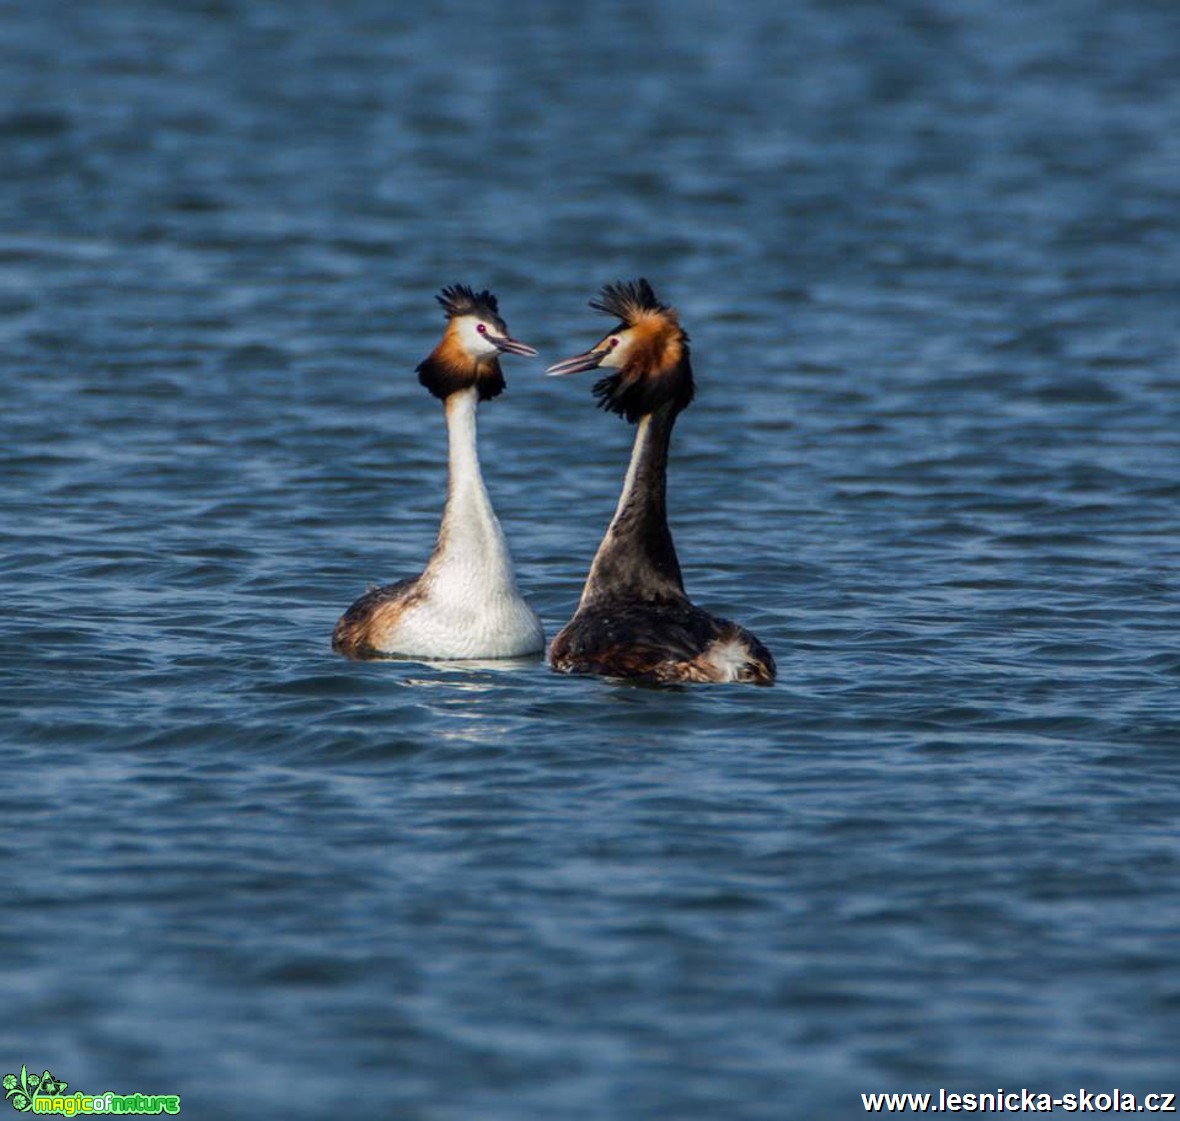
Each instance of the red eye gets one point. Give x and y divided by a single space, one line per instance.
614 343
481 328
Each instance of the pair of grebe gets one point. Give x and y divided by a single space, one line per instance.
634 620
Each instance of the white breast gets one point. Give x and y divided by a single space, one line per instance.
468 621
469 605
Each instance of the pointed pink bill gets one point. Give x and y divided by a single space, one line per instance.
588 361
511 346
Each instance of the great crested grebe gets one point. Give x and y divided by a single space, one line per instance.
465 604
634 620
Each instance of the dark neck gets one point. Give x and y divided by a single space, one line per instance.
637 558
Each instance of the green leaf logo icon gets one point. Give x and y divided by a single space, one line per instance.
23 1089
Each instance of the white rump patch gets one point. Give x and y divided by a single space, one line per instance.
728 657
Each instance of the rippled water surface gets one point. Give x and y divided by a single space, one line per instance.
929 257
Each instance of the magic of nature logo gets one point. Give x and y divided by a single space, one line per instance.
44 1093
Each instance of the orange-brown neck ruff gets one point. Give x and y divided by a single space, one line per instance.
656 376
659 341
449 368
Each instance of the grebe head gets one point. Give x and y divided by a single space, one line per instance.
647 347
471 346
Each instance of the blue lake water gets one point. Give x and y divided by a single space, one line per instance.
929 256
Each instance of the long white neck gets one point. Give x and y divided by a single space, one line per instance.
639 451
471 545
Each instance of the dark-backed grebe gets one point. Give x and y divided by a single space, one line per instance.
634 620
465 604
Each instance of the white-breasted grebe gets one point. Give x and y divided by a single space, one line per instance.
465 604
634 620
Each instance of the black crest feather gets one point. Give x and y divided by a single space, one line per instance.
626 299
460 299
